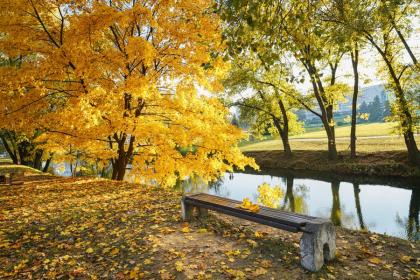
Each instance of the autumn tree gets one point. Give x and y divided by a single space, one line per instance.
120 78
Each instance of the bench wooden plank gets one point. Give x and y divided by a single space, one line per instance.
318 239
274 215
202 196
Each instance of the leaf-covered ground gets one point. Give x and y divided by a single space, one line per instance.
55 228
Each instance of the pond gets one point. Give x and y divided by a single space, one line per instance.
382 205
390 207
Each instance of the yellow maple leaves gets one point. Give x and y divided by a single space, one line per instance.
248 205
118 82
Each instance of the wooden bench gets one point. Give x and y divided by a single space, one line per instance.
317 243
12 175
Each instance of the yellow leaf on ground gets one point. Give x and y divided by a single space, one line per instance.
375 260
179 266
260 271
405 258
185 229
115 251
89 250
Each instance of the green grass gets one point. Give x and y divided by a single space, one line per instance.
363 130
5 161
363 145
14 167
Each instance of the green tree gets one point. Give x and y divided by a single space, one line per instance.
375 110
268 101
386 110
290 29
380 23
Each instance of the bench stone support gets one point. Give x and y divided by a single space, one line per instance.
317 244
186 211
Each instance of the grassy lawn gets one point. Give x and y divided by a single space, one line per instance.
14 167
363 145
5 161
98 229
370 129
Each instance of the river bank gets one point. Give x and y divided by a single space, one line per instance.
53 227
384 164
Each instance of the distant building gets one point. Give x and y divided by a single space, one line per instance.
366 95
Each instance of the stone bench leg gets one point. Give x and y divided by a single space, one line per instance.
186 211
317 244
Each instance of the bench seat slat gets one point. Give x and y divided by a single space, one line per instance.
269 216
235 202
246 216
269 212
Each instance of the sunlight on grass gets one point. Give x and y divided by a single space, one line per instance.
14 167
363 145
371 129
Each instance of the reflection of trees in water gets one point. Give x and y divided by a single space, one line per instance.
336 207
338 215
269 196
358 207
191 185
295 197
195 184
411 225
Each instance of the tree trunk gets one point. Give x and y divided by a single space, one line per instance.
37 162
12 154
284 132
405 115
326 113
284 137
407 47
332 147
119 164
355 61
47 165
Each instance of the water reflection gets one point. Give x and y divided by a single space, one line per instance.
411 224
358 207
379 208
336 206
295 197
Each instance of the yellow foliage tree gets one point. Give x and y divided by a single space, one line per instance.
119 80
